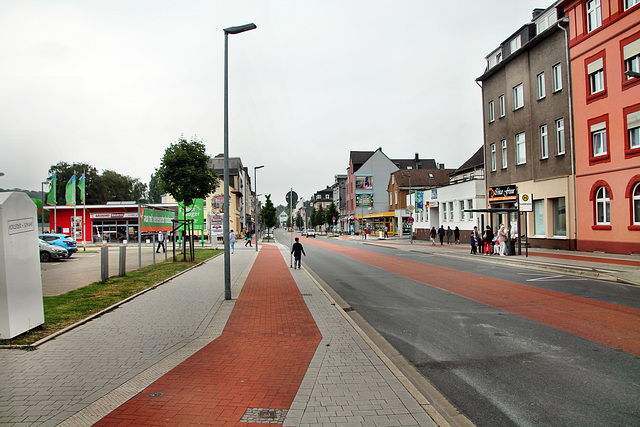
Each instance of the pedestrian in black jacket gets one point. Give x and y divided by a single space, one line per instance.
441 233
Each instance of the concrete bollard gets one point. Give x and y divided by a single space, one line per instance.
104 263
122 261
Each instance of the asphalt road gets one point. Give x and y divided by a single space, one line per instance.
506 346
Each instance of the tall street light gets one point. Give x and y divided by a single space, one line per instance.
255 202
225 221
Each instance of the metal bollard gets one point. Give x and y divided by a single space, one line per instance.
104 263
122 261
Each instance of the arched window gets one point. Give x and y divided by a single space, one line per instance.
603 209
635 203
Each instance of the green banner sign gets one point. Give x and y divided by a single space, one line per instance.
157 220
195 212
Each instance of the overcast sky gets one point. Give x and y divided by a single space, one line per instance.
113 83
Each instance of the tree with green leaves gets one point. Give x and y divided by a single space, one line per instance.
299 221
332 212
185 172
320 216
155 195
100 189
268 213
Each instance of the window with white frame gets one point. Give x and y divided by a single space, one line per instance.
462 212
444 212
503 146
390 199
470 207
544 142
501 108
603 206
556 71
631 57
493 157
633 129
518 96
636 204
515 44
594 15
595 76
491 112
599 139
451 212
541 89
628 4
560 144
521 149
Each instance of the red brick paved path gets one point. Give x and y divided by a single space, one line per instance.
259 360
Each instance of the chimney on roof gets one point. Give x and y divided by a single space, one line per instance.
441 166
536 13
417 157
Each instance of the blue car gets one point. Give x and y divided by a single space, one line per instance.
61 240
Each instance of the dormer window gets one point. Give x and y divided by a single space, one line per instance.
515 44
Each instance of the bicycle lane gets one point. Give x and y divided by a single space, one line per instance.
609 324
257 364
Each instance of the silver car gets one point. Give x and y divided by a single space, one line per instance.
50 252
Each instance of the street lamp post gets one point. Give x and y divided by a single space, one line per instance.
225 221
255 202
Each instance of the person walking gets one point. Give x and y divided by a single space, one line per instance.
366 233
441 234
449 234
487 238
502 238
297 250
456 235
248 239
433 235
232 240
161 242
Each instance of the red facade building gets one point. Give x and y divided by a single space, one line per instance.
605 52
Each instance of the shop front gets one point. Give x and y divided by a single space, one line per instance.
110 223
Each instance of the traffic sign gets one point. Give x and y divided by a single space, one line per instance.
410 220
525 202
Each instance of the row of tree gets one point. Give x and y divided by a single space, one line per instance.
105 187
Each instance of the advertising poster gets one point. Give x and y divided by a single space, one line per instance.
157 220
196 213
364 182
419 202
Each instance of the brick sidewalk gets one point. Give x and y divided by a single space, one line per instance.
253 370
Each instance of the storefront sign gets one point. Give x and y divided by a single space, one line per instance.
364 199
157 220
114 215
503 193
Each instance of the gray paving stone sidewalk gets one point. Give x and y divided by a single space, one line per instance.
69 373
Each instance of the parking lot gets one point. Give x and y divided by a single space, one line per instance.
83 267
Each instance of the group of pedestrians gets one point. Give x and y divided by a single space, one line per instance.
441 233
490 243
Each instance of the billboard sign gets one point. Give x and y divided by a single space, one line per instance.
364 182
364 199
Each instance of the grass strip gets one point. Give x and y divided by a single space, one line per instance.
64 310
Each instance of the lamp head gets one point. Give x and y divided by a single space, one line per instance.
240 29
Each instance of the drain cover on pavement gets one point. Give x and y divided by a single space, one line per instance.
264 415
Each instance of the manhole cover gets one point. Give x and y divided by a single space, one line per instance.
264 416
156 394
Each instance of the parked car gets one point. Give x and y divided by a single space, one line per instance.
62 240
49 252
311 233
